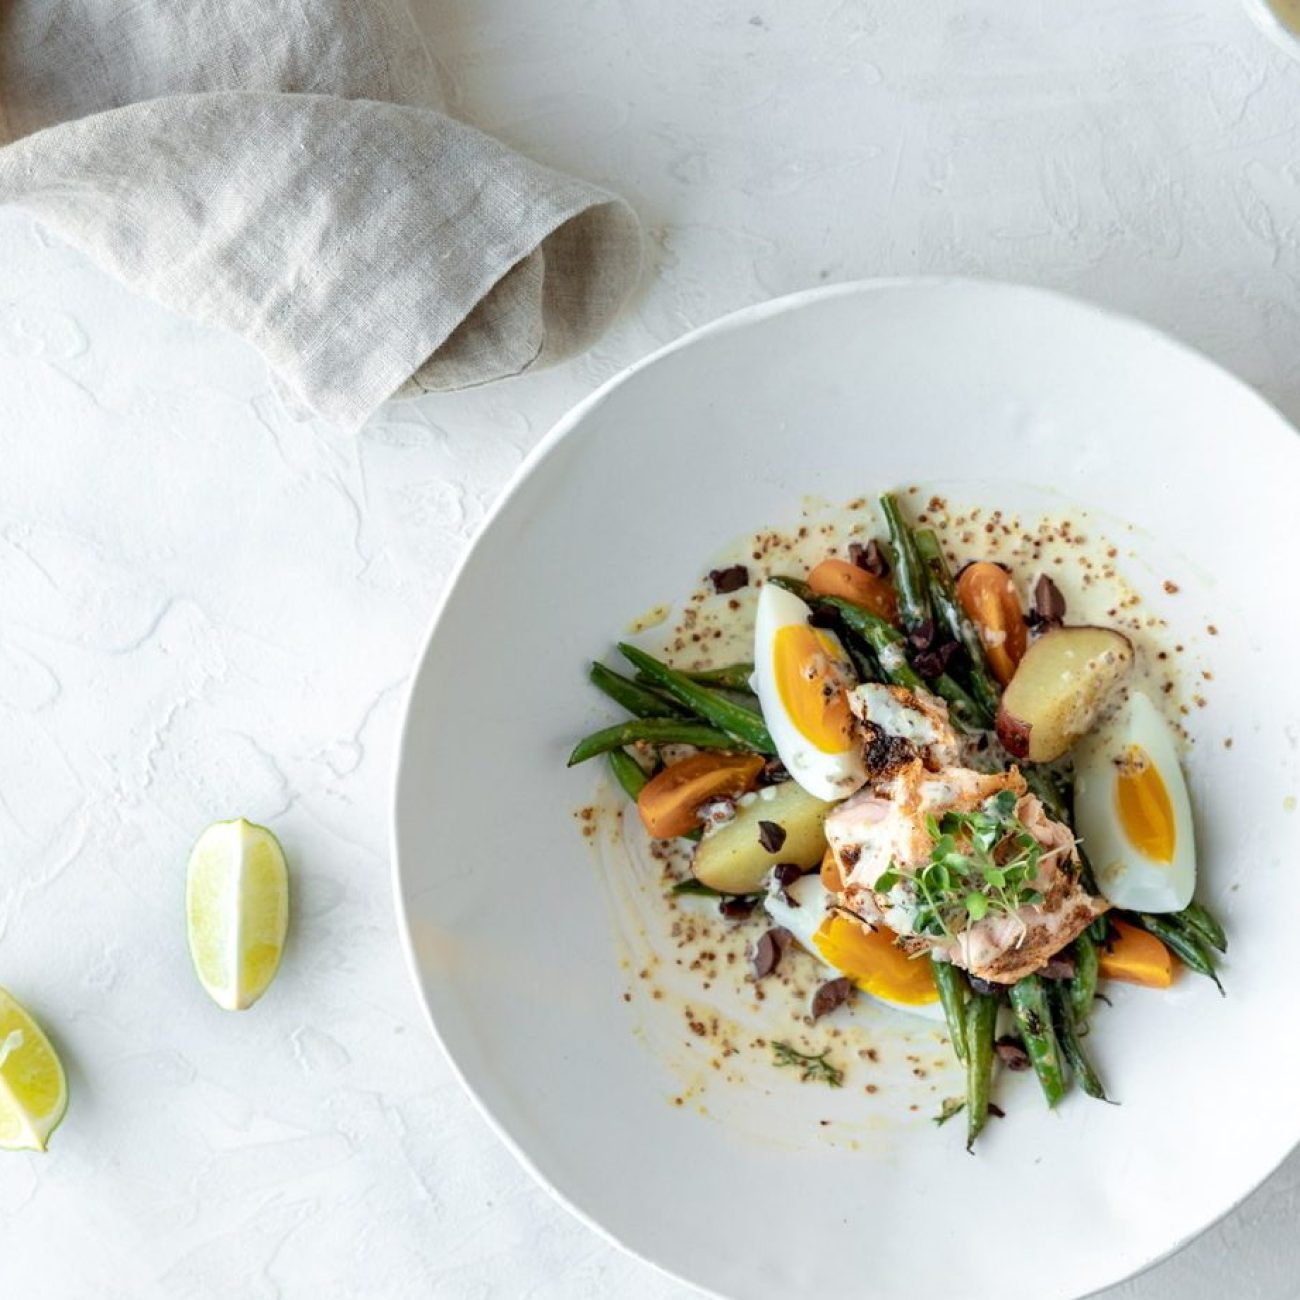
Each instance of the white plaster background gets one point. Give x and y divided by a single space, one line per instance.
208 608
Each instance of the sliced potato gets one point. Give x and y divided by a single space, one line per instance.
1058 689
734 861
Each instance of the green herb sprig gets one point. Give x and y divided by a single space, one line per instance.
811 1068
951 1106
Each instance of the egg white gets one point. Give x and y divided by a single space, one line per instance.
824 775
802 918
1126 876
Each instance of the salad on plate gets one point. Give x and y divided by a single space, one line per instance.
964 808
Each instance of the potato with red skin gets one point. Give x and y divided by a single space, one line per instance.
1058 689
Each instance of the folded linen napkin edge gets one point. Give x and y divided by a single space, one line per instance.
334 270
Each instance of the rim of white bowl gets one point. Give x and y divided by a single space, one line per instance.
1266 18
571 419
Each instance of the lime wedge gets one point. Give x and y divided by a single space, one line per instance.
237 902
33 1089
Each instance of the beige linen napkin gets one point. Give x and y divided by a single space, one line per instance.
282 170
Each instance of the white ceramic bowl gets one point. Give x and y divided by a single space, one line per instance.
1285 33
990 392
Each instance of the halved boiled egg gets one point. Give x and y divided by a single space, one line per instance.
802 677
1132 812
868 957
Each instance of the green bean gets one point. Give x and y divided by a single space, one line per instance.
743 725
981 1019
883 639
952 993
948 609
656 731
1067 1032
1196 917
1029 1002
1042 783
1186 946
640 701
861 649
734 677
743 696
888 644
1083 983
909 574
962 708
627 772
864 659
886 641
1086 878
742 699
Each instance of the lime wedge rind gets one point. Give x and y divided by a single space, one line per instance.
33 1086
237 906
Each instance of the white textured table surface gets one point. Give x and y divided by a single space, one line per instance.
208 608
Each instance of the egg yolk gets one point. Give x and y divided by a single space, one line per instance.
874 963
1144 807
810 688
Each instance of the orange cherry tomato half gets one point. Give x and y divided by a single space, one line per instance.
1136 957
669 803
840 578
989 598
832 876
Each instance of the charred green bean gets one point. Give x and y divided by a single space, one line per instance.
744 725
952 994
1083 983
981 1021
735 677
948 610
889 646
639 700
1067 1033
655 731
1186 946
627 772
909 573
1034 1016
1197 918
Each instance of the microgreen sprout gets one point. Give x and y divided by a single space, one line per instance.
981 863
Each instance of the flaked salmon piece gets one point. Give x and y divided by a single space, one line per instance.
898 726
887 825
876 827
1004 949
